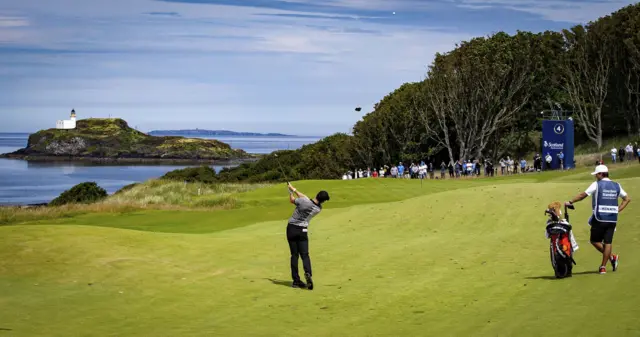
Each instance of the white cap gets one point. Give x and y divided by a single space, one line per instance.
600 169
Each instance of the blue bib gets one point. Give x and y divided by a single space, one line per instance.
605 201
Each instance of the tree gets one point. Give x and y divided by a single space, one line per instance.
478 90
587 71
430 102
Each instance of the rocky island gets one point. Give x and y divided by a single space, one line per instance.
102 139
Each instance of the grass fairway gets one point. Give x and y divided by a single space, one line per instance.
453 258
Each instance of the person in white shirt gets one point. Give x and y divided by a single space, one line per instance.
604 203
423 170
614 153
629 150
548 159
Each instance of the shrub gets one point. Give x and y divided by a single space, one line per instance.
84 193
203 174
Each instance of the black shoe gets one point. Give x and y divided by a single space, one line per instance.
298 284
309 281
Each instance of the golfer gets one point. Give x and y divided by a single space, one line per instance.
604 195
297 233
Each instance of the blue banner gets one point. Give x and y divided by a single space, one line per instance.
557 141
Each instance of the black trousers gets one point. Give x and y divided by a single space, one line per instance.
299 247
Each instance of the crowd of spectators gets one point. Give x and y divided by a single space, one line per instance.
430 169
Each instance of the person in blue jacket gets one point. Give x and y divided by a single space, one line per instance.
604 195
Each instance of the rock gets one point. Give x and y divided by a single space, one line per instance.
112 139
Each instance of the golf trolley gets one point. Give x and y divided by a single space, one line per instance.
560 248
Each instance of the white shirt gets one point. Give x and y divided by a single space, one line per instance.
549 158
594 186
629 148
614 151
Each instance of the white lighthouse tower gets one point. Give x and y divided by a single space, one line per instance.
69 123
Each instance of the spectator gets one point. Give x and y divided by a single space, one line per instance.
621 154
423 170
537 162
458 168
523 165
431 170
375 174
451 167
561 160
510 166
638 155
394 171
400 171
491 167
629 150
549 160
443 169
469 168
503 165
614 152
635 149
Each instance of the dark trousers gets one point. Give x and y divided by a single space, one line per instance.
299 247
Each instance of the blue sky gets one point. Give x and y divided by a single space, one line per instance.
291 66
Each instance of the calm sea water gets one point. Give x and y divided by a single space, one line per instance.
23 182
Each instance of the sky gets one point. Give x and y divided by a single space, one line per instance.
291 66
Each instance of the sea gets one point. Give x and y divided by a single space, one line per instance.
26 183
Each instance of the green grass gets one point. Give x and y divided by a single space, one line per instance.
390 258
607 144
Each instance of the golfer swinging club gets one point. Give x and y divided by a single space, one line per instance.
604 194
297 234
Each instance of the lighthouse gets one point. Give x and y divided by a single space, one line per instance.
69 123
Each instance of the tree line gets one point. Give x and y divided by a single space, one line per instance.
483 100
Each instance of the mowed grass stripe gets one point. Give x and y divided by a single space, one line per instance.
271 203
472 261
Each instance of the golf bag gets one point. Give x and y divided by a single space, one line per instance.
560 248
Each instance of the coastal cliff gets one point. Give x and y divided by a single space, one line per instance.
112 139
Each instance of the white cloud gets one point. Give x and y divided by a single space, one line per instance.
13 21
218 65
554 10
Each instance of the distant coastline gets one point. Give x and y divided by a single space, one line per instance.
198 132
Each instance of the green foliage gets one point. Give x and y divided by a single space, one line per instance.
84 193
326 159
202 174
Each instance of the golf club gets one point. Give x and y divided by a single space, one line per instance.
281 169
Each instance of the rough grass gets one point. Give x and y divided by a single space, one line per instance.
153 194
163 192
453 258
